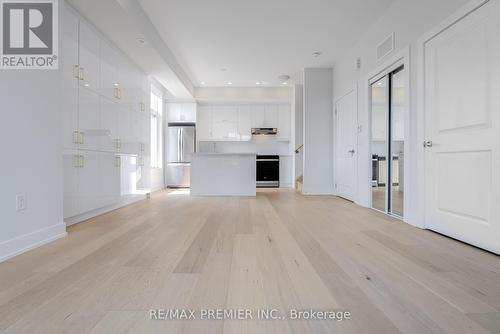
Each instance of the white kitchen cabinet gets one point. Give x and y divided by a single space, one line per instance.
258 115
134 93
125 137
109 123
69 72
284 124
89 181
71 161
89 119
143 173
110 176
110 87
204 123
286 171
89 51
112 125
225 123
181 112
271 116
244 123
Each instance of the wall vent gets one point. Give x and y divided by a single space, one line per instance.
386 47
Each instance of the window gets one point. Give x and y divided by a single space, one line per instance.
156 129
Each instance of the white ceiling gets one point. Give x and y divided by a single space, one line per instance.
258 40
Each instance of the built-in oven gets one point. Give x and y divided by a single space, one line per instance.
268 171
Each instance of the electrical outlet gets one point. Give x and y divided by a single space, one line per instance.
20 202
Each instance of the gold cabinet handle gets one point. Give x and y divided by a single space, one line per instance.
118 93
81 73
76 161
76 137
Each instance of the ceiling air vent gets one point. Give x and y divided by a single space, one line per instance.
386 47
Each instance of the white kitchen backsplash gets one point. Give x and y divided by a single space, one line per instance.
259 145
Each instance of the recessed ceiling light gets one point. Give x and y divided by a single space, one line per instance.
317 54
86 85
258 83
202 83
141 41
116 84
229 83
285 83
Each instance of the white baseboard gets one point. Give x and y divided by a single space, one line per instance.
29 241
97 212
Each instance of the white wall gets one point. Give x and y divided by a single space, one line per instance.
158 174
299 129
31 163
318 131
408 20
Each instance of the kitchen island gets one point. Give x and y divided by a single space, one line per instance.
223 174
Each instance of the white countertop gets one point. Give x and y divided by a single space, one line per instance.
223 154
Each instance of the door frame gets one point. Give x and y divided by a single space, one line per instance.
354 90
420 163
401 58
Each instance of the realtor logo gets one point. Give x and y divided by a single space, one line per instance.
29 36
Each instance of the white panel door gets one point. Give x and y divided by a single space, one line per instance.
462 128
89 57
346 124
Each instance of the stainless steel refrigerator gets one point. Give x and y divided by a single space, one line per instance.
180 148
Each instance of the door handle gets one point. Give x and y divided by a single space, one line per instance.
351 151
428 143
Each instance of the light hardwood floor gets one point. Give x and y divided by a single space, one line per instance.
279 250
